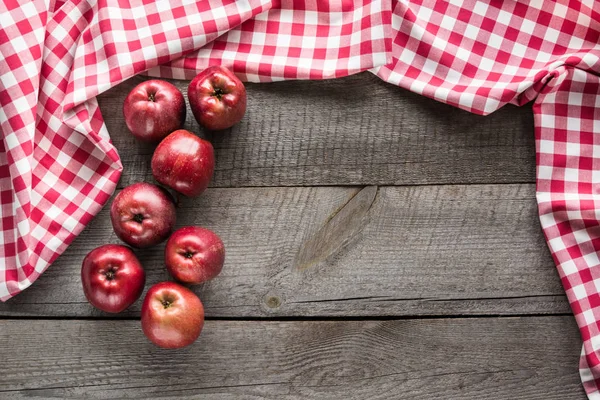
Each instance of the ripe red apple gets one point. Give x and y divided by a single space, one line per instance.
217 98
112 277
172 315
194 254
142 215
153 109
184 162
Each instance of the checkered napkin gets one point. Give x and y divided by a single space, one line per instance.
58 166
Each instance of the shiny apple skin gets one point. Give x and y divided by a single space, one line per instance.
172 315
194 254
153 109
217 98
112 277
184 162
143 215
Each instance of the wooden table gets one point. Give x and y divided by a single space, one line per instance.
380 245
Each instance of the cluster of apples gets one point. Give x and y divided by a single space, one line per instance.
144 214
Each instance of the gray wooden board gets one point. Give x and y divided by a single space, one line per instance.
308 234
345 251
476 358
352 131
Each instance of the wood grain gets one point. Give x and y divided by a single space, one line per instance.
484 359
352 131
345 251
305 200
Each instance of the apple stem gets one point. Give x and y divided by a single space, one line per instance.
151 96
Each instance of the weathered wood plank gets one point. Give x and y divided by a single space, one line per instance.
484 359
343 251
352 131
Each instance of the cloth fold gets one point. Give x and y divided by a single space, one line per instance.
58 166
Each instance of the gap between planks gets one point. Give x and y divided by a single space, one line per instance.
297 318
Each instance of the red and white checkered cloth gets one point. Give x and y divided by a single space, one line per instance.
58 166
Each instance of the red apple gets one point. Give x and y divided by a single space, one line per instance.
112 277
194 254
217 98
142 215
184 162
172 315
153 109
